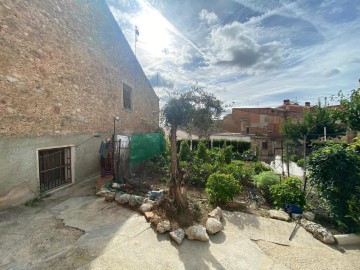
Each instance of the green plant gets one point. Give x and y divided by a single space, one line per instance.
300 163
335 171
199 172
236 169
264 180
222 188
39 198
354 208
184 154
160 164
288 191
202 151
259 167
228 154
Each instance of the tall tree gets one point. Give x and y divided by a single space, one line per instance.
349 110
312 125
194 110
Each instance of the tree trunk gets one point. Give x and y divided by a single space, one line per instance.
175 189
173 153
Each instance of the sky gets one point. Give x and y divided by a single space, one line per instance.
248 53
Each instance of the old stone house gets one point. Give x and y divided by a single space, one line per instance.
263 125
66 70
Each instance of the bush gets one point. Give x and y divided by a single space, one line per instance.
222 188
199 173
160 164
235 169
184 154
335 171
264 180
202 151
288 192
354 208
228 154
259 167
300 163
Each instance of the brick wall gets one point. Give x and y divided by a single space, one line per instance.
259 120
62 68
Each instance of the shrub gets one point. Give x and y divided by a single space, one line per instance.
236 169
264 180
199 173
300 163
259 167
288 192
222 188
335 171
202 151
228 154
354 208
184 154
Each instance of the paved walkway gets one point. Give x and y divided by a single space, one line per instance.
74 230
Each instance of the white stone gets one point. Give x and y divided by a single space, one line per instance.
11 79
318 231
309 216
197 232
122 198
102 192
146 207
279 214
178 235
10 110
213 225
115 185
135 200
216 213
163 226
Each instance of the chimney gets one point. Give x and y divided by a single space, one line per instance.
307 104
286 101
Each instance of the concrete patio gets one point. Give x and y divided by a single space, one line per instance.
73 229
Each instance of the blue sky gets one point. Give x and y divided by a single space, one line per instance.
248 53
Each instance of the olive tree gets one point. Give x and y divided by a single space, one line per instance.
193 110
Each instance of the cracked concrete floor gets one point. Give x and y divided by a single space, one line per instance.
74 230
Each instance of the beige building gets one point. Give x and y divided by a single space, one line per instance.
66 70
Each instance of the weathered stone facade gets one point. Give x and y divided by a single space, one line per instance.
62 68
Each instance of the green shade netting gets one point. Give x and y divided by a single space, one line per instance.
145 146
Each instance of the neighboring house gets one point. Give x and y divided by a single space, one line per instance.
66 70
263 126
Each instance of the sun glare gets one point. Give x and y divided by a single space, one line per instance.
154 34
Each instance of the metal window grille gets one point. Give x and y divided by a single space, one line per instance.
54 168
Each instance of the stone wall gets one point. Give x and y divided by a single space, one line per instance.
62 68
63 64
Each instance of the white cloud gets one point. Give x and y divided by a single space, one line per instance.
208 17
236 45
